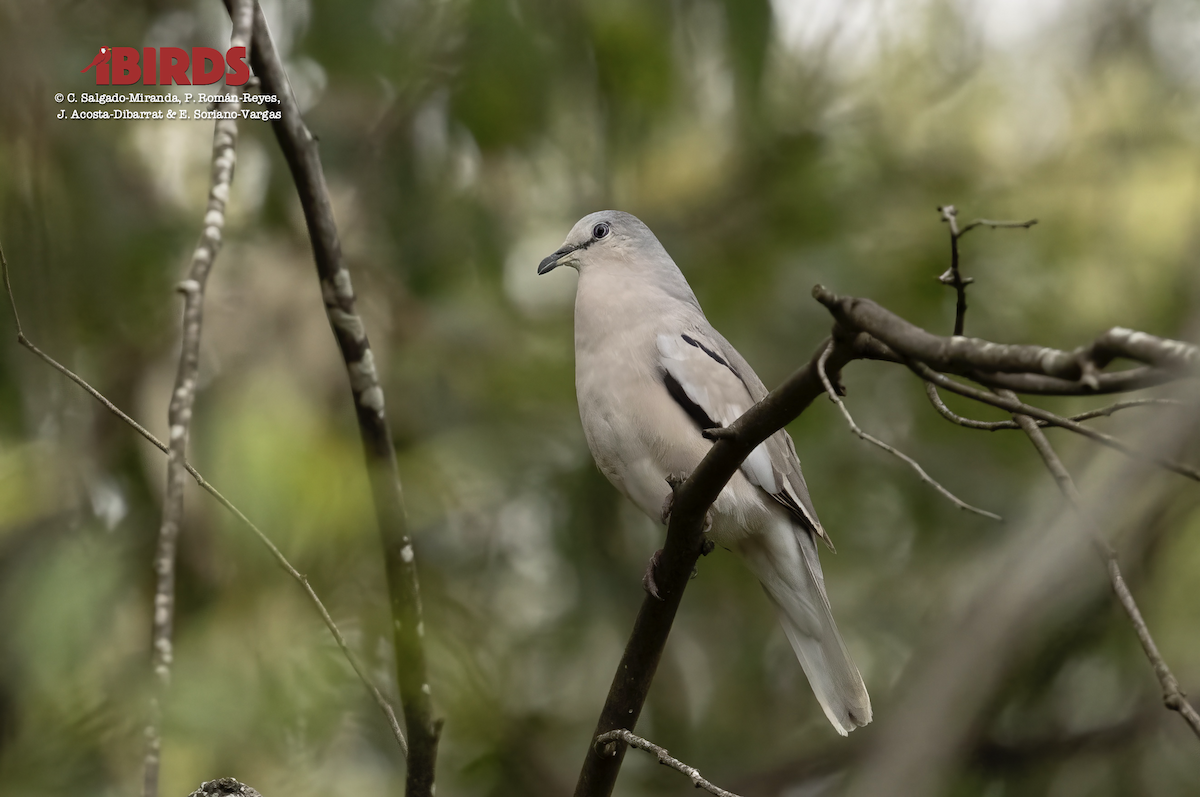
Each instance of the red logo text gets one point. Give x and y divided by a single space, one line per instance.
123 66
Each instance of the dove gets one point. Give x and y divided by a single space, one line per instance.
652 375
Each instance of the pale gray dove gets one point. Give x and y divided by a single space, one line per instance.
651 375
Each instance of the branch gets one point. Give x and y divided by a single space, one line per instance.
991 426
179 413
953 276
1117 382
1005 606
664 758
682 548
280 559
300 150
925 477
971 356
1173 696
1012 404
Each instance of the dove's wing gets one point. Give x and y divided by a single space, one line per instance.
714 385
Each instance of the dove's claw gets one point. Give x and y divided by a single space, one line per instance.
648 582
668 505
673 481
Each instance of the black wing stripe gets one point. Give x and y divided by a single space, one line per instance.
694 410
785 498
692 341
718 358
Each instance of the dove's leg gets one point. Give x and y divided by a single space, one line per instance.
648 579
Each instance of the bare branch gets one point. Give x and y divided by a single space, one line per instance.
299 148
663 756
1021 595
953 276
998 225
991 426
1013 405
1137 378
925 477
1173 696
179 413
975 358
683 547
359 670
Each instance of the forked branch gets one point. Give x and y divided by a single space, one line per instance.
1169 356
953 276
981 359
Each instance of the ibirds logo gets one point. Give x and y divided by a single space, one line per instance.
122 66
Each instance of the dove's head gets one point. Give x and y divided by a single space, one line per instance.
615 248
609 239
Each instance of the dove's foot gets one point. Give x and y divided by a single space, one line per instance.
673 481
648 582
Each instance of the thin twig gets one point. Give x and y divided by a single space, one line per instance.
953 276
997 225
992 426
1012 404
300 150
183 396
1173 696
925 477
664 758
384 706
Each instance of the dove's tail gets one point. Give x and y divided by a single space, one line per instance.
784 558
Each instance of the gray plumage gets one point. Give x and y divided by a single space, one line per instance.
651 373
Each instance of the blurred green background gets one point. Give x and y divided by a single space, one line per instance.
771 146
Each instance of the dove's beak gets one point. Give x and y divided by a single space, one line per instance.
552 262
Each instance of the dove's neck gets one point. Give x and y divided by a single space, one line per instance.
623 301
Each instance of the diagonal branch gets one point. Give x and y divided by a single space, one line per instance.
664 758
299 148
1173 696
280 559
925 477
179 413
683 547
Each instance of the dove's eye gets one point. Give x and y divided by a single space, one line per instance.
600 230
